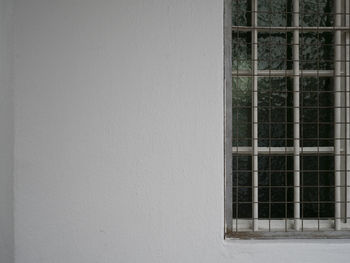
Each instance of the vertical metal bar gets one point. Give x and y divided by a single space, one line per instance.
337 113
270 61
318 141
296 115
347 98
255 113
228 114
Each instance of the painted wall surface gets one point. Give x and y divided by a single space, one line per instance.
6 134
119 136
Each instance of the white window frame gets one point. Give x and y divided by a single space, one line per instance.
297 228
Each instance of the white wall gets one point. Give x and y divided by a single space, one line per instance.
6 134
119 136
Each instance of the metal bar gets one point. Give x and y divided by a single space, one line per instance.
255 114
347 97
285 73
337 114
282 150
292 235
228 115
318 130
289 29
296 115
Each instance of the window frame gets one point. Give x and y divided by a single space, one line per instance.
229 231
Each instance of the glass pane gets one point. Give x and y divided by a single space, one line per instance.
317 179
241 51
242 186
275 113
274 13
241 111
316 51
242 194
244 178
317 113
242 92
242 210
241 15
275 186
316 13
274 51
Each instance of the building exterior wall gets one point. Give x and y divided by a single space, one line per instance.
119 136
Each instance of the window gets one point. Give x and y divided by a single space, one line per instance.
287 119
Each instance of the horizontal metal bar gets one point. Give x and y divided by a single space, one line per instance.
290 28
282 150
307 187
304 107
289 235
292 170
285 73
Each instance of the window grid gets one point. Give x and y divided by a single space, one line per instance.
243 219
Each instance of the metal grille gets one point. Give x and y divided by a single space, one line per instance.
287 118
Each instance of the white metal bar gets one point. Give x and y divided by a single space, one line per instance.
292 28
347 98
337 114
279 224
284 73
282 150
255 114
292 235
296 115
228 117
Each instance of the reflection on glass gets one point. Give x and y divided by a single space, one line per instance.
241 12
317 179
242 186
241 51
275 186
274 51
242 91
274 13
316 13
275 113
317 113
241 111
316 51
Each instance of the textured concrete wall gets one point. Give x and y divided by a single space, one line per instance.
119 136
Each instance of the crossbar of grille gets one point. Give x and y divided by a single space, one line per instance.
290 29
286 73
